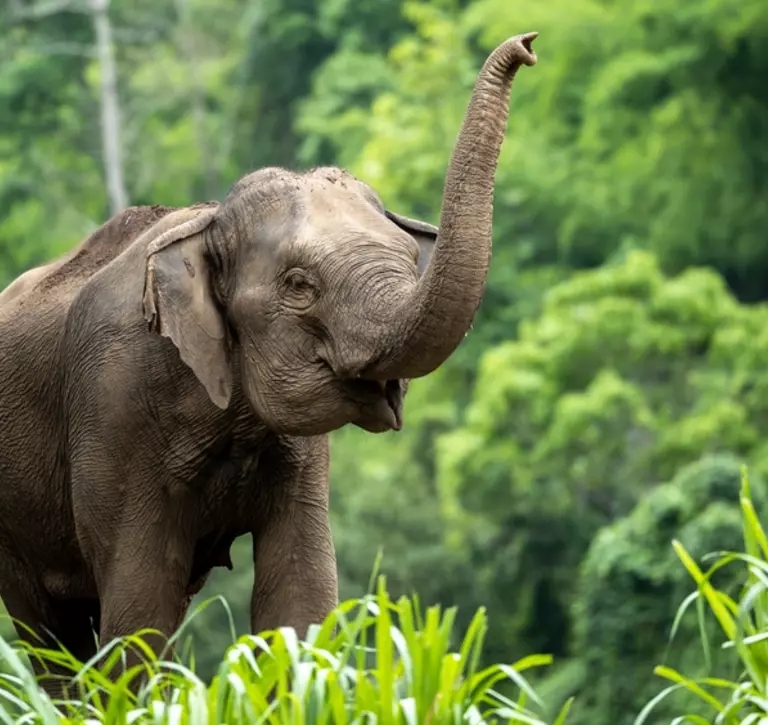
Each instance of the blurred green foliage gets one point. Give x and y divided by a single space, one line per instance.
616 370
631 584
624 377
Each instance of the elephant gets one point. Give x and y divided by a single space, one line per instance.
170 384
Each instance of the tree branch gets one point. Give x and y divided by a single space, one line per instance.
141 36
45 8
63 48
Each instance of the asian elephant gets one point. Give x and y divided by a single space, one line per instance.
170 384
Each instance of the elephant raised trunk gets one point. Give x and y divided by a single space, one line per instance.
436 317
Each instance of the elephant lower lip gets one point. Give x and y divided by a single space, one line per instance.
394 397
388 416
382 401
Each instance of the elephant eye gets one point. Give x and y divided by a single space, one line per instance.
299 289
296 281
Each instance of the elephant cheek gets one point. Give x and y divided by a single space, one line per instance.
287 395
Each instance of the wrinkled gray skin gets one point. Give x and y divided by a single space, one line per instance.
170 384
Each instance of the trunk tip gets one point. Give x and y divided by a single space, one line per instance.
522 47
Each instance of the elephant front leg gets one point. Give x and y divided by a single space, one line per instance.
143 576
295 576
295 580
145 588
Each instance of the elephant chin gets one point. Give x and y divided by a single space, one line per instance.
323 403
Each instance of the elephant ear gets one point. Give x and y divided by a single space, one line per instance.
178 299
425 234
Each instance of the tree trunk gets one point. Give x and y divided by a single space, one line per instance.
110 107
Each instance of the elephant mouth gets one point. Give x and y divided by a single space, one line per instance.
381 403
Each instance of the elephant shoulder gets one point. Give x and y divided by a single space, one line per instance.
105 335
106 273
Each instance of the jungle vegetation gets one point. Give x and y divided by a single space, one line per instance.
615 380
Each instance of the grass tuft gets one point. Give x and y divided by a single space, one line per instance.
373 660
744 626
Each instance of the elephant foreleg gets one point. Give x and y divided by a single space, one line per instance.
145 587
295 577
143 573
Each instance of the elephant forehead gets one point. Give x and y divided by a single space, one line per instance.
327 203
337 217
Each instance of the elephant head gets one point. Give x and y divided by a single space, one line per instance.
305 292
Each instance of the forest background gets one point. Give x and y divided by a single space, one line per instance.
615 378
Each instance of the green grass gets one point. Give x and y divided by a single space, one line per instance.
372 661
375 660
744 624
